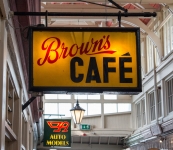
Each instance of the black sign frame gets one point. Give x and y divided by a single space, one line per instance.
112 90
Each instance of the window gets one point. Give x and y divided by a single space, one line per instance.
80 96
64 108
159 104
94 108
53 110
110 108
124 107
51 96
57 96
152 106
11 103
93 97
138 115
90 97
64 96
110 97
143 112
170 94
168 30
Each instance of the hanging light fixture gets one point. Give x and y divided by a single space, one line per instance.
161 139
77 113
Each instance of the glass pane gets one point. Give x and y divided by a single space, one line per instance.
51 96
111 97
80 96
94 97
123 107
64 96
64 108
84 106
138 115
94 108
51 108
110 108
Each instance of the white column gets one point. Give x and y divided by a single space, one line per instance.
20 120
3 74
145 55
155 87
72 105
27 134
102 113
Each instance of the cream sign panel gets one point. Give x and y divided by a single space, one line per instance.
65 59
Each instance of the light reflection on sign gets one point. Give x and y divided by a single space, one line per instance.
85 59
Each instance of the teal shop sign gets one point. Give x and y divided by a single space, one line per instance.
57 133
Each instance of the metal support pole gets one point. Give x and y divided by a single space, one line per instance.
118 6
124 14
41 104
33 97
119 18
28 102
46 17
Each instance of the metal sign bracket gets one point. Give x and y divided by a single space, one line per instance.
34 95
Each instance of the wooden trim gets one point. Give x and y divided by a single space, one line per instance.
9 133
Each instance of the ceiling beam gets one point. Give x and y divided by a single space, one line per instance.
43 5
139 6
145 29
152 24
90 23
163 22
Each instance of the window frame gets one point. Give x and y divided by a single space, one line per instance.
152 105
167 93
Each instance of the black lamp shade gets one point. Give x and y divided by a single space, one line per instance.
77 113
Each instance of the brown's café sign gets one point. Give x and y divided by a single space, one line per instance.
85 60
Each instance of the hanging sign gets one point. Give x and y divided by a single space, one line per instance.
85 60
57 133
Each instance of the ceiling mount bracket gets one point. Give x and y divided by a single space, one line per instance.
46 17
34 95
119 18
